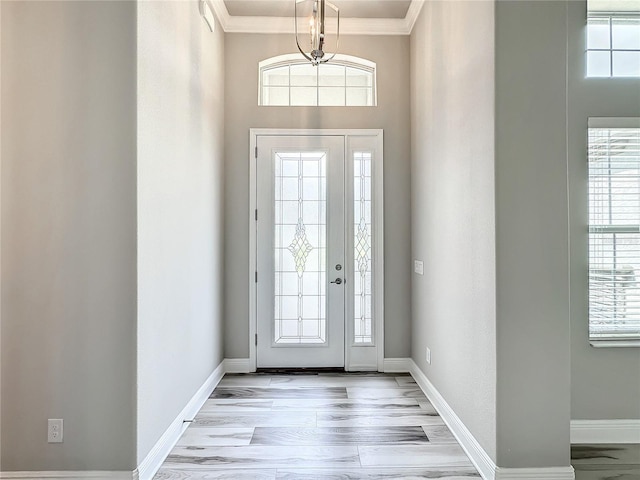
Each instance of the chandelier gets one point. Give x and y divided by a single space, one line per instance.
316 54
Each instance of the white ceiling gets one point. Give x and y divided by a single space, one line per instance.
348 8
357 17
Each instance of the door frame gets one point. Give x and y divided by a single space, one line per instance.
353 361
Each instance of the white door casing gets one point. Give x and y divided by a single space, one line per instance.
292 269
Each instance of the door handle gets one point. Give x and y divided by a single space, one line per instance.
337 281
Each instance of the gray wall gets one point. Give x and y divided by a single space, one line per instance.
0 236
532 282
490 220
243 52
180 213
605 382
68 234
453 219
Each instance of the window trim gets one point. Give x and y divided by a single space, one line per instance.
613 122
632 340
356 357
291 59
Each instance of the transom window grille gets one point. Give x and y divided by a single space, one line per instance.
613 44
614 230
290 80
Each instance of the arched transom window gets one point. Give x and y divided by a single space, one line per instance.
290 80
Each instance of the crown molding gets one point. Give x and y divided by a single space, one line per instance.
348 26
412 14
221 12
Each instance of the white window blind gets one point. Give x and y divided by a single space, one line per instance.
614 229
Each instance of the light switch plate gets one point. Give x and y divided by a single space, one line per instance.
418 267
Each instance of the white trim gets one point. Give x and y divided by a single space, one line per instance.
615 343
378 233
206 11
378 242
396 365
154 459
238 365
481 460
354 367
289 58
92 475
550 473
253 248
292 132
614 122
605 431
478 456
221 12
412 14
348 26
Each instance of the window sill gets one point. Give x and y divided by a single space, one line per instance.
604 343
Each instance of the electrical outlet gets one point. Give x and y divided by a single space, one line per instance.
54 432
428 355
418 267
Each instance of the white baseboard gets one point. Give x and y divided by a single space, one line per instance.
605 431
553 473
238 365
478 456
87 475
486 467
397 365
362 367
154 459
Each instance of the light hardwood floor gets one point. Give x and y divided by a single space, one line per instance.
606 462
317 426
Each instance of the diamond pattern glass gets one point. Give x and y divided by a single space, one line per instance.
362 197
300 248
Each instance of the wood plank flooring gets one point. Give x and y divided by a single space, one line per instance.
606 462
322 426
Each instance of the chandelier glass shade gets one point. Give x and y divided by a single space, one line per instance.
317 31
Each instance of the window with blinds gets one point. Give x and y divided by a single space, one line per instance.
614 229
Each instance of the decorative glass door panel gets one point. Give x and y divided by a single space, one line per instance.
300 247
300 251
362 247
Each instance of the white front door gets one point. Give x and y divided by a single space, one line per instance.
300 197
